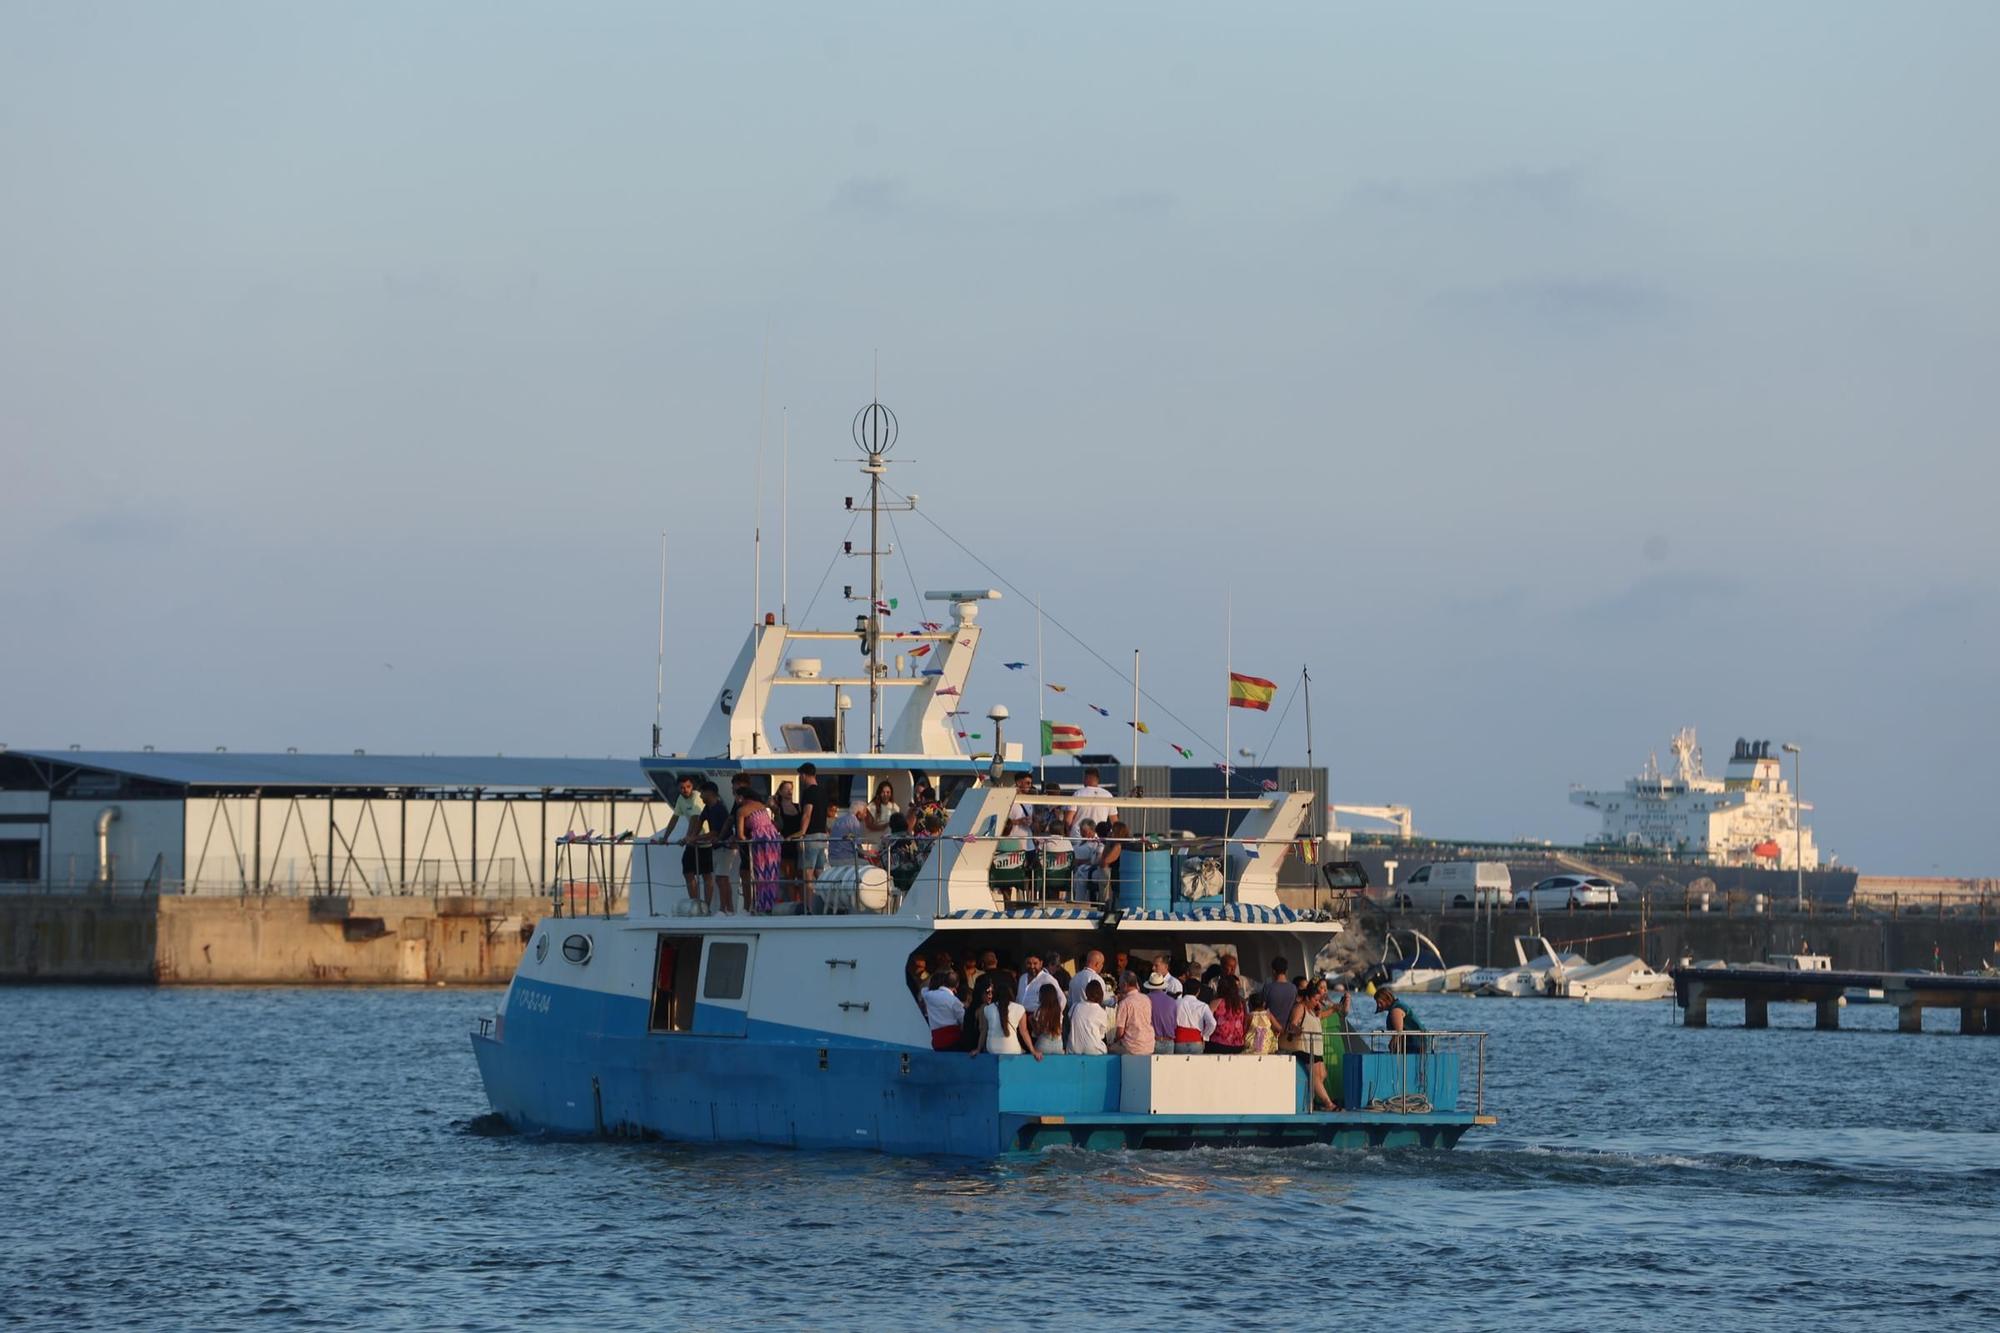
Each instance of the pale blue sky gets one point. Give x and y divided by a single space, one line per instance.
1548 376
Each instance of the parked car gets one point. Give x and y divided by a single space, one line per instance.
1565 891
1442 885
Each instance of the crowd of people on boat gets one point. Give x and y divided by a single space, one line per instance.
756 854
983 1005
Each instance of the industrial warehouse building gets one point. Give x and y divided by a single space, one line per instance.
363 825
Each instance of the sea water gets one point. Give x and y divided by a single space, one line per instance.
234 1159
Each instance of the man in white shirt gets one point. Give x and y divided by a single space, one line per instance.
1020 819
1194 1024
1163 977
1089 1026
687 818
1093 802
943 1010
1034 978
1092 970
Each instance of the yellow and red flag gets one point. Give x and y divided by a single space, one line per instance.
1250 692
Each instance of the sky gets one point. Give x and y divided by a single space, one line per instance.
1546 377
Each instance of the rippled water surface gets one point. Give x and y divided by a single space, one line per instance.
226 1159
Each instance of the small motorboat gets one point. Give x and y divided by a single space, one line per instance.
1531 977
1420 969
1571 976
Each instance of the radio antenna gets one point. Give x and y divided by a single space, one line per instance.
660 665
784 515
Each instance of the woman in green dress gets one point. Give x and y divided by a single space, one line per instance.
1333 1023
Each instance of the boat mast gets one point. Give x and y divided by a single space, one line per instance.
875 434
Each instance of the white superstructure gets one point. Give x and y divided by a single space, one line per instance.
1749 816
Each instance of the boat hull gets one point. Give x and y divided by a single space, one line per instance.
579 1063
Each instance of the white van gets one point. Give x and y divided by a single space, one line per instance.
1442 885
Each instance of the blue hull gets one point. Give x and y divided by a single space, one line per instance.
574 1062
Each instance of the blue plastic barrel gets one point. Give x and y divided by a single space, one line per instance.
1159 880
1131 880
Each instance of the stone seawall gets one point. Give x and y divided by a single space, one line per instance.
1867 943
175 940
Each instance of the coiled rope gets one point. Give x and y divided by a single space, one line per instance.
1408 1103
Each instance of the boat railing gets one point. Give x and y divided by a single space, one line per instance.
1154 871
1413 1071
1164 873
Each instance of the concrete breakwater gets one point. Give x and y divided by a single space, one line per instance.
1861 942
170 939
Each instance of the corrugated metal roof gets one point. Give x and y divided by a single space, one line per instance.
223 769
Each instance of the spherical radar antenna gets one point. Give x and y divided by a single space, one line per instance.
875 430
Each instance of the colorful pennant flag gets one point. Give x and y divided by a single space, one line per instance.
1268 785
1013 666
1059 689
1144 730
1182 751
1063 736
920 651
930 626
931 671
1101 712
1250 692
948 689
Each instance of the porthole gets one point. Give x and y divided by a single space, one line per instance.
576 948
542 948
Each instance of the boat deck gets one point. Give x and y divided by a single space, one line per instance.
1099 1130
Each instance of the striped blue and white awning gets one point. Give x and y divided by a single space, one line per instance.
1244 913
1248 913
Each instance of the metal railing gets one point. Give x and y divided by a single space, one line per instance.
1027 872
1414 1073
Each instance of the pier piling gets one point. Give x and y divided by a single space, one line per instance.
1976 997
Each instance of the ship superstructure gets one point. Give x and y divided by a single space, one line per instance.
1750 816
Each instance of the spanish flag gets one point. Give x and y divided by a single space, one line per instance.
1250 692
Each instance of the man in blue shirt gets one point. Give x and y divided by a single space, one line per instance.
716 828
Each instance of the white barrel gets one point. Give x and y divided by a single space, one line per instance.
862 888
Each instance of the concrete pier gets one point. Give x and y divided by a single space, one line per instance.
1977 998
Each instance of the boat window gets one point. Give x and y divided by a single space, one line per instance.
727 962
674 965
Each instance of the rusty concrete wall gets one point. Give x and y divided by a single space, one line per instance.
343 941
177 940
81 936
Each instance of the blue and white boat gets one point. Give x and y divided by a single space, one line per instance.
799 1028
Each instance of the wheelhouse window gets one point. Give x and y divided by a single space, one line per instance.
728 960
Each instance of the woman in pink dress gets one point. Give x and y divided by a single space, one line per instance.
1232 1016
755 826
